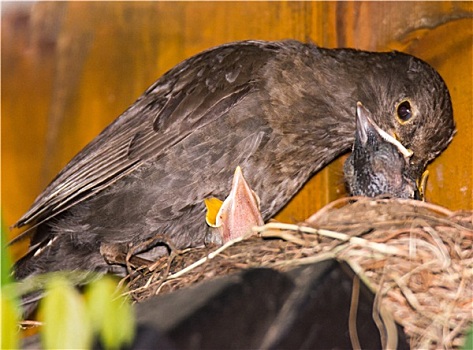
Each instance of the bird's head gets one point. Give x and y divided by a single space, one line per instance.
409 100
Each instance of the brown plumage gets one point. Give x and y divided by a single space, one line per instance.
280 110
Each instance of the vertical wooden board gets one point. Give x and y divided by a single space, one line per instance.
85 62
26 67
441 34
72 67
327 184
449 48
419 28
371 25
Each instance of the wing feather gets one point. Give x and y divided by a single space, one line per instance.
191 95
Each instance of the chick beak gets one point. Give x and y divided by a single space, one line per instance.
237 215
368 132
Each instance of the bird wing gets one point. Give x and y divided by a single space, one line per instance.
193 94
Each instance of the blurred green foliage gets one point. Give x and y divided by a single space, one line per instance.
469 340
73 320
70 319
9 301
111 314
64 316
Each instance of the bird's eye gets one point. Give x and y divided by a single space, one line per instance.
404 111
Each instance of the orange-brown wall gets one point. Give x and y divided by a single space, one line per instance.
70 68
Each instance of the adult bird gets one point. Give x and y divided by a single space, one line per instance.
280 110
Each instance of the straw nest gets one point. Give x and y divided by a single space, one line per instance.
417 258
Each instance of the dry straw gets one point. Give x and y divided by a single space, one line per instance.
417 257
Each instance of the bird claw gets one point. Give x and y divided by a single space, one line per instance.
118 254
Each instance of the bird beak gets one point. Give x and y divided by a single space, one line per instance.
366 125
421 186
237 215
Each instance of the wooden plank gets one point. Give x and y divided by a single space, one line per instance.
68 69
441 33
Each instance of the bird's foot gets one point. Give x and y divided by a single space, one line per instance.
118 254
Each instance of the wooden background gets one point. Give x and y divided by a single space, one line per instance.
70 68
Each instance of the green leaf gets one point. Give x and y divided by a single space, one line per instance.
469 340
111 314
5 259
66 324
10 338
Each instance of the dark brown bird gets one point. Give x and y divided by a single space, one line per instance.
280 110
378 164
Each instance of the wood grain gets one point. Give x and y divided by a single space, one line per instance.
70 68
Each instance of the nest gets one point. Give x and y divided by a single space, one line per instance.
416 257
